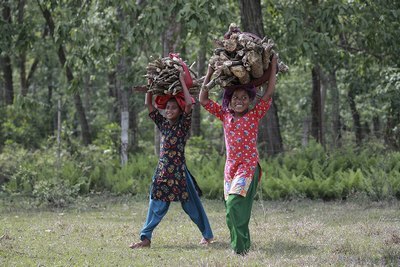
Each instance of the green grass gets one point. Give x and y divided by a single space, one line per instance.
97 232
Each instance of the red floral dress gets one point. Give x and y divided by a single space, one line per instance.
241 145
169 180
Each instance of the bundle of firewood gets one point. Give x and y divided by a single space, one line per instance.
163 74
241 58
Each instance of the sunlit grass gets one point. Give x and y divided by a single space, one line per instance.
97 232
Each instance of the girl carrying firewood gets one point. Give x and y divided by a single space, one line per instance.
242 170
172 180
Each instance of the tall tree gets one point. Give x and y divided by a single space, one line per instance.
170 40
85 131
270 138
316 106
5 55
123 92
201 67
335 112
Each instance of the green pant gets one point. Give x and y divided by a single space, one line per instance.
238 211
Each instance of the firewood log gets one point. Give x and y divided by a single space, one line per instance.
241 58
164 76
242 74
256 64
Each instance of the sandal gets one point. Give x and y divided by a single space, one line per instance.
145 243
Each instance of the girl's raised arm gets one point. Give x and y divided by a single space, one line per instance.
272 78
149 101
203 96
188 98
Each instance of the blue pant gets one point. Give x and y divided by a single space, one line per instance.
192 207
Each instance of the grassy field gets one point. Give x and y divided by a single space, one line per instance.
97 232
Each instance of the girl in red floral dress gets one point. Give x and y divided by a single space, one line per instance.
242 170
172 181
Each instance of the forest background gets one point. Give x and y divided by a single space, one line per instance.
71 125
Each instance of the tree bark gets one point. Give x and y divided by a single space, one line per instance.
356 116
251 17
123 93
113 93
201 67
377 127
22 54
316 106
170 41
306 132
85 131
336 124
392 136
270 139
6 61
8 80
134 131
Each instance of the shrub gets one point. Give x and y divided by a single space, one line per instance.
307 173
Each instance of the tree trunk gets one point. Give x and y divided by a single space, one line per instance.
306 132
113 93
87 93
53 121
1 86
251 17
22 54
377 127
123 93
316 106
356 116
86 135
8 80
392 134
336 124
170 40
201 60
34 65
6 61
270 139
134 131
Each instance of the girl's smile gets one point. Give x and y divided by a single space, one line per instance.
240 102
172 111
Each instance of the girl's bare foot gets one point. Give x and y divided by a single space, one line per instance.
145 243
205 241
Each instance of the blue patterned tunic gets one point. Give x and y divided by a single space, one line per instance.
169 181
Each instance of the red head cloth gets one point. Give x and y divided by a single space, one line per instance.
161 100
188 78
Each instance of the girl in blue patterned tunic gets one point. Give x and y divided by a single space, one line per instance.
172 181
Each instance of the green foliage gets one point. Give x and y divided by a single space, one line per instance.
107 46
56 193
108 138
315 174
25 122
206 165
308 173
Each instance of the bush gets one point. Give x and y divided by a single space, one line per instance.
309 173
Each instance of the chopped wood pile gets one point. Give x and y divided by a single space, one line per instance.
163 74
241 57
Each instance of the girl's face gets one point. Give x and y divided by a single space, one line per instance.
240 102
172 111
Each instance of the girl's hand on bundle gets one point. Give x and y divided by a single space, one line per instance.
182 75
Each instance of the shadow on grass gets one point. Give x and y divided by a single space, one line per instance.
220 245
285 248
274 248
